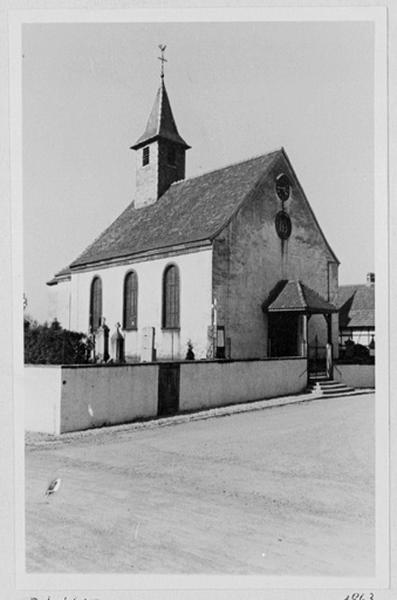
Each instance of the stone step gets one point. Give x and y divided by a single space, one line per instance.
333 389
352 392
338 392
329 388
328 383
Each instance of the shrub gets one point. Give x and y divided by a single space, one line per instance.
355 354
53 345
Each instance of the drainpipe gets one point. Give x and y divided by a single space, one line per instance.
329 263
304 335
214 314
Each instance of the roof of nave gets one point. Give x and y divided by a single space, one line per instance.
191 210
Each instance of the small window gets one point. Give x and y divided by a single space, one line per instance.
130 304
171 156
283 187
145 156
171 298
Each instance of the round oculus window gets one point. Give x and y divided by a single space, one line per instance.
283 225
283 187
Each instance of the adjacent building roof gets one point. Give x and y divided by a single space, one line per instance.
295 296
161 123
356 304
191 210
63 274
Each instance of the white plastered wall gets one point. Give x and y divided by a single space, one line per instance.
195 272
43 391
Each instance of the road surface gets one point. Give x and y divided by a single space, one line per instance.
281 491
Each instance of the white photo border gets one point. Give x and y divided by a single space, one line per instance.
101 583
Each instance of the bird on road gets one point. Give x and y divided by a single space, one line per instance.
53 487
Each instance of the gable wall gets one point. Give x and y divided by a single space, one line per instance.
195 271
250 258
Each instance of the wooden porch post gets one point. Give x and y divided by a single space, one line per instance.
304 334
329 328
307 318
329 364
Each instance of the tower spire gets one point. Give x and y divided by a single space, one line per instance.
160 149
163 60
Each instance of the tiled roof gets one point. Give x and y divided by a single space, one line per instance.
161 122
64 273
296 296
356 304
190 210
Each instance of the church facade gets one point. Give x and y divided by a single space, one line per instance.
228 264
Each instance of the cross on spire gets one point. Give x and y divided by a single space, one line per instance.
163 60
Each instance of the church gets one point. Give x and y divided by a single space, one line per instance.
230 264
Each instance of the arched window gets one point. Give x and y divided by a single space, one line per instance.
171 298
130 301
96 303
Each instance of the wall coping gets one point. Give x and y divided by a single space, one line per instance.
170 362
338 363
40 366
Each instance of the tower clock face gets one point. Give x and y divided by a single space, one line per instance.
283 187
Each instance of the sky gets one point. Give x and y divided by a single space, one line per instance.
237 90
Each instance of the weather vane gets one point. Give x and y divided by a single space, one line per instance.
163 60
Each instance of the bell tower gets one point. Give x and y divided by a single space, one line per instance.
160 158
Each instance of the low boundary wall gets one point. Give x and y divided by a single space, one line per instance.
107 395
76 397
205 385
43 398
357 376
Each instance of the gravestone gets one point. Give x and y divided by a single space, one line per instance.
148 353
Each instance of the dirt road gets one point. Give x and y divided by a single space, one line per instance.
287 490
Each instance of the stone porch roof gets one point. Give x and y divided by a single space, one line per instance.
295 296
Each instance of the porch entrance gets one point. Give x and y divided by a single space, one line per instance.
319 359
289 307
